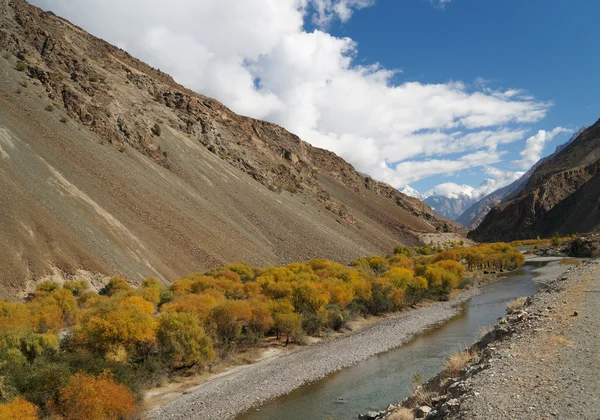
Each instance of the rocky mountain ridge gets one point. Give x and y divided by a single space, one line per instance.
110 166
474 215
560 196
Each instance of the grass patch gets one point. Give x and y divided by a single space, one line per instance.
557 340
49 108
457 362
402 413
515 305
570 261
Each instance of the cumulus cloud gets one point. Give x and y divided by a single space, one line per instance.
259 59
534 146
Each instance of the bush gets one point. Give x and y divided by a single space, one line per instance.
457 362
555 240
18 409
402 250
49 108
182 340
95 398
156 130
20 66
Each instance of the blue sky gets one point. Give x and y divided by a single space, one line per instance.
546 48
406 90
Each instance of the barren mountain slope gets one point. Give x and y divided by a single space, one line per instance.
561 196
85 183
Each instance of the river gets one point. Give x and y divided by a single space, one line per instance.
388 377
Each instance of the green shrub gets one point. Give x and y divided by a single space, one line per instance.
156 130
20 66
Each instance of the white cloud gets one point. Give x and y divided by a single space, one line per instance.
497 179
534 146
257 57
327 10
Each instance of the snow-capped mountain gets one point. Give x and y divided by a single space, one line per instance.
450 199
411 192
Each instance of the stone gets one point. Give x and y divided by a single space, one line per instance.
371 415
422 412
457 389
450 406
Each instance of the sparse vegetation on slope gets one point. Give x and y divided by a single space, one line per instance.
66 345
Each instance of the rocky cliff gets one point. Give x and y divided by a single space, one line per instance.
108 166
561 196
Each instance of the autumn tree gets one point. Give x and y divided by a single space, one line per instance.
95 398
182 339
229 318
290 324
127 324
18 409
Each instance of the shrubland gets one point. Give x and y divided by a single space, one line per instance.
71 352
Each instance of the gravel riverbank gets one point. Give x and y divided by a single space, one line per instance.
541 361
549 367
228 395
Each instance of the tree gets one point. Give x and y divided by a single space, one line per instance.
229 317
18 409
117 285
127 324
182 339
95 398
402 250
289 323
556 240
200 305
378 264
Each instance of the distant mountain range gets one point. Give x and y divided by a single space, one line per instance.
468 205
449 199
561 195
473 216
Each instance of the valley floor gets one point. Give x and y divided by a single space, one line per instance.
226 395
550 366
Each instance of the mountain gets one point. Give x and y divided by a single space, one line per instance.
108 166
561 196
451 207
450 200
411 192
474 215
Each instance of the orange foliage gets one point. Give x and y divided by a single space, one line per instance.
201 305
18 409
95 398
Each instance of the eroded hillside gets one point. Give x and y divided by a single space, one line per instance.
107 165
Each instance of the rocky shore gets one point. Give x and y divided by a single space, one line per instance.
540 361
228 395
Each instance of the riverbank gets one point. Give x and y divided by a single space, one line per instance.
540 361
228 394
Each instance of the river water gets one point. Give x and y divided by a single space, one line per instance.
388 377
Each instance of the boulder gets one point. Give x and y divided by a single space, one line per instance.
422 412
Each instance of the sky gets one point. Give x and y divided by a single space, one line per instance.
431 93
